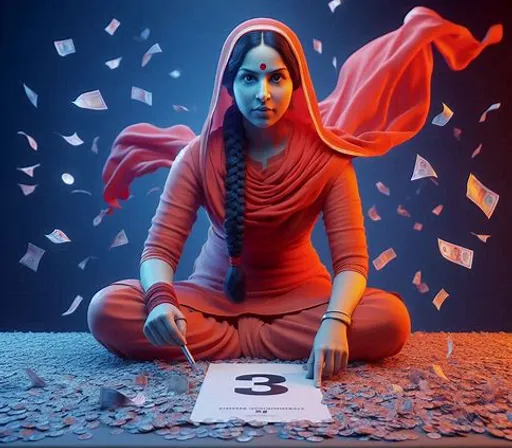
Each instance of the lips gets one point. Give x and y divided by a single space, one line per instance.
266 109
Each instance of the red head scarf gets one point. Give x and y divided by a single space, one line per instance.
381 99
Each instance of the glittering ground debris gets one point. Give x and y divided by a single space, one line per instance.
397 399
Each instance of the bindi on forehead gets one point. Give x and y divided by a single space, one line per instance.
263 66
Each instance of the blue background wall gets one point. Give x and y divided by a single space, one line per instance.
191 35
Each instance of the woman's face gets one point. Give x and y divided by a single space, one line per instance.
263 80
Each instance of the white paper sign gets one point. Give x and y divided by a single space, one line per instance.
263 392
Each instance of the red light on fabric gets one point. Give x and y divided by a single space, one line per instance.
263 66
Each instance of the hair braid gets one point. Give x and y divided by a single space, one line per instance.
234 223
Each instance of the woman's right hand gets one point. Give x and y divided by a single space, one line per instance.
160 327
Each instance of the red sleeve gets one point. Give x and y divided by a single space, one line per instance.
344 224
177 209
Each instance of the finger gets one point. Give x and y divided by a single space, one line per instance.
319 363
338 362
329 364
345 359
177 337
154 338
309 366
148 335
166 332
182 327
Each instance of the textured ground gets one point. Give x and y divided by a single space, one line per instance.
443 388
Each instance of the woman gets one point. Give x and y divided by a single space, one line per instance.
258 288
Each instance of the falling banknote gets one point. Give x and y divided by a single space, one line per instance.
32 257
73 307
31 95
317 45
422 168
482 238
120 240
444 117
29 170
144 96
112 64
27 189
382 188
333 4
58 237
476 151
482 196
31 141
74 139
384 258
439 299
112 27
456 254
65 47
492 107
149 54
91 100
373 214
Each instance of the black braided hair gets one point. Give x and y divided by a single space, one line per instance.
234 141
235 152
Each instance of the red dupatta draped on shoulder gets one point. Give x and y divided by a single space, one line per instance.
381 98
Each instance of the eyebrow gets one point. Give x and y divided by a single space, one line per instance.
274 71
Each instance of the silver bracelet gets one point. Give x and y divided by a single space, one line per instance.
342 318
339 312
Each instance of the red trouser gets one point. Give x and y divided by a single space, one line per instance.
116 316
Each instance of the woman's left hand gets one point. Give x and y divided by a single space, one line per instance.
330 346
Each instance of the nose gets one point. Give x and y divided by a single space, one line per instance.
263 91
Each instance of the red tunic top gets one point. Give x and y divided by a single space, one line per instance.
283 202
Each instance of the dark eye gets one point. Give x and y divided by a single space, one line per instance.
277 74
244 78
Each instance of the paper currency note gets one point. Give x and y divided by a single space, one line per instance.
444 117
29 170
74 139
317 46
483 197
492 107
333 4
382 188
27 189
149 54
437 210
114 63
58 237
144 96
422 168
476 151
439 299
32 257
65 47
456 254
74 305
120 240
31 95
384 258
373 214
91 100
31 141
112 27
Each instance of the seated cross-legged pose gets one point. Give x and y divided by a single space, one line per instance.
269 161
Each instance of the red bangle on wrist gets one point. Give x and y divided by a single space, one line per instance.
159 293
